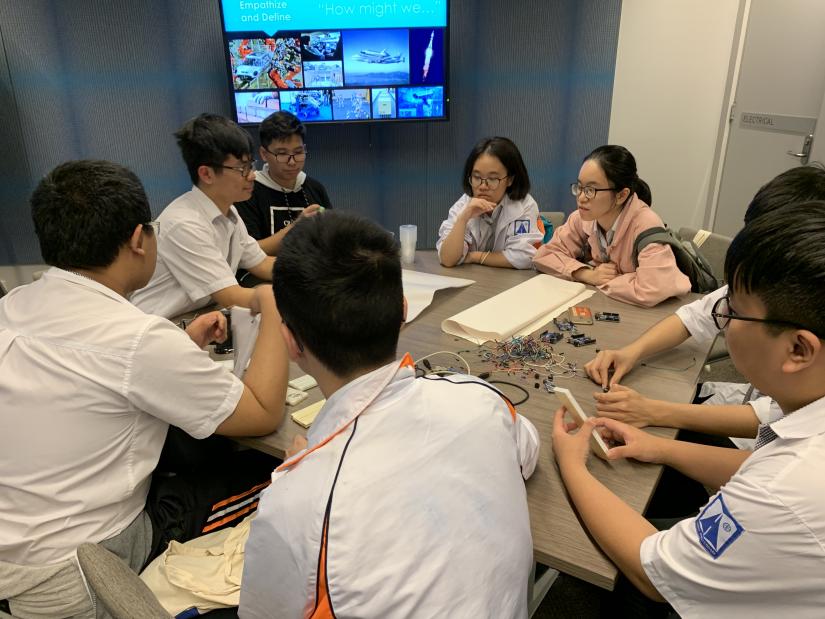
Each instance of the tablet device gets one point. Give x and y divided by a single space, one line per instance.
579 416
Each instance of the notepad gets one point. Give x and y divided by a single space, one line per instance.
307 415
518 311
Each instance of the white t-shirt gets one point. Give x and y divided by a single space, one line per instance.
199 251
757 549
88 387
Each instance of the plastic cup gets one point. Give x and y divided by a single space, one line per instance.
408 235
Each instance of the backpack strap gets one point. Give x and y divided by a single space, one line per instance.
656 234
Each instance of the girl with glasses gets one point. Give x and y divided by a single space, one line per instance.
495 222
595 245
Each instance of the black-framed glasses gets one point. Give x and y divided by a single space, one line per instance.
589 192
723 314
492 183
244 170
297 155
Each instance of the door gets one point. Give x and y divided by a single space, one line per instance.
778 100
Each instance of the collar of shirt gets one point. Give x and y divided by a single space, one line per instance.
209 209
802 423
76 278
262 176
606 240
356 396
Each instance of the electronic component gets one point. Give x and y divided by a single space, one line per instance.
581 340
563 324
551 337
549 385
607 316
303 383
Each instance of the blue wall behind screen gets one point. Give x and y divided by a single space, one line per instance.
113 80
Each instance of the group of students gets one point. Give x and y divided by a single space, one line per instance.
407 496
496 223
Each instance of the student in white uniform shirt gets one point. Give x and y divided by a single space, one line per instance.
408 498
757 549
89 386
203 241
495 222
729 409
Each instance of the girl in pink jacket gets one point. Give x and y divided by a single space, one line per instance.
595 246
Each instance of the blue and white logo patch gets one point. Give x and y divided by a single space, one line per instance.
717 528
521 226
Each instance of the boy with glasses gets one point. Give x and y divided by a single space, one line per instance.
203 241
283 192
757 548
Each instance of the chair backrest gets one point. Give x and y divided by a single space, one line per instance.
116 586
556 218
712 246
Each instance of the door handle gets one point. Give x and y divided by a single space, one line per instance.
806 150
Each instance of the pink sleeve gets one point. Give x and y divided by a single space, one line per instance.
558 257
657 278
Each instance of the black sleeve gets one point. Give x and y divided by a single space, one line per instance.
316 193
251 213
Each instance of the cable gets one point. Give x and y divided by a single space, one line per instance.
662 367
443 371
519 387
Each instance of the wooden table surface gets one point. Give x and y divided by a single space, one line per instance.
558 537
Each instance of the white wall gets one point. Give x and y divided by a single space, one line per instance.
669 97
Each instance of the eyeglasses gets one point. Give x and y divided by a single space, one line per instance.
589 192
298 155
154 225
244 170
723 314
492 183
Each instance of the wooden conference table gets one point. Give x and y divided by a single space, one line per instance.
559 540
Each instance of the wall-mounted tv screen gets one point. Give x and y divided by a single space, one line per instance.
337 60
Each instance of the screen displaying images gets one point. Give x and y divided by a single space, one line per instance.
337 62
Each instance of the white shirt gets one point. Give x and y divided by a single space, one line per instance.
88 387
512 228
696 316
428 513
758 547
199 251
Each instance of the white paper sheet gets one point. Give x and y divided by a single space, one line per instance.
419 289
518 311
244 333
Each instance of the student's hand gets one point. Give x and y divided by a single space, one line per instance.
210 327
312 209
299 443
626 405
477 207
631 442
620 362
603 273
571 446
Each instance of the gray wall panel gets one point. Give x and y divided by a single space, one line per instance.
114 80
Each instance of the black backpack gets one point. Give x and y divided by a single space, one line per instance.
688 258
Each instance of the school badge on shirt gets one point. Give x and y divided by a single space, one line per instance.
521 226
717 528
